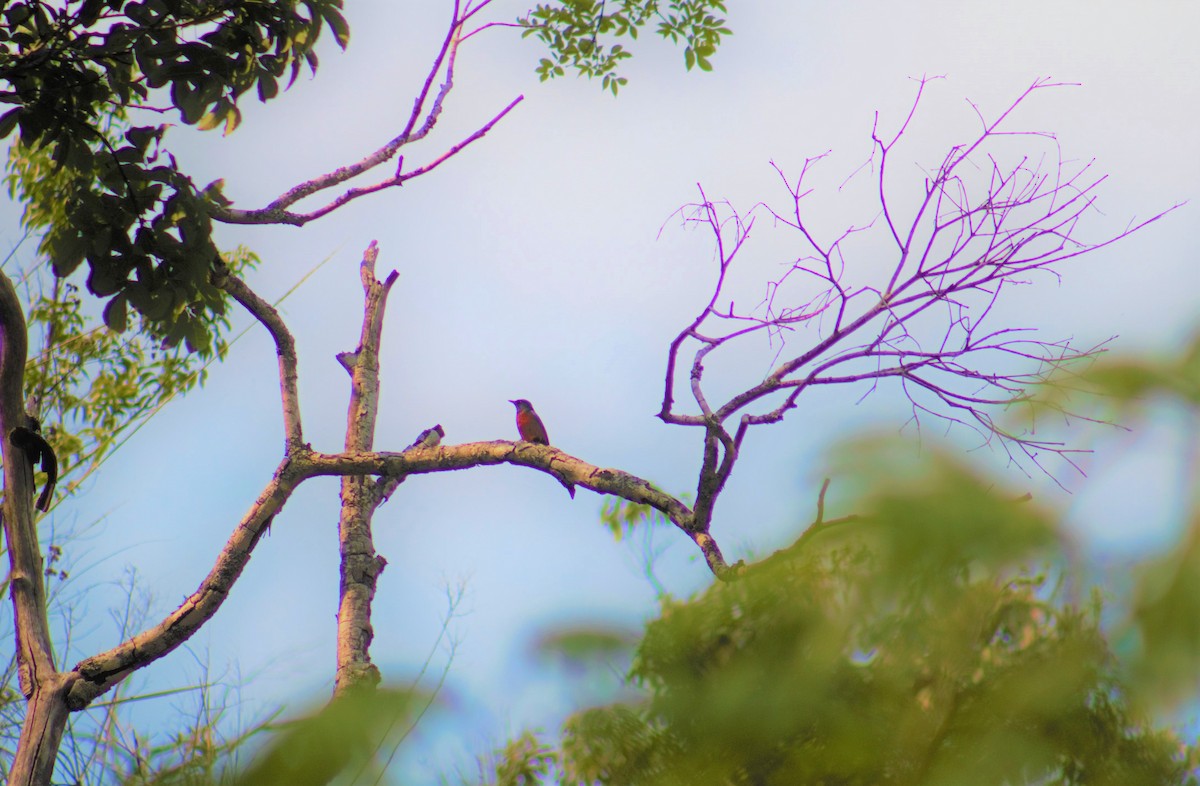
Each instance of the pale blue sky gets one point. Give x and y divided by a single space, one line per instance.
531 266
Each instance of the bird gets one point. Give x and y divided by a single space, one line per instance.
531 429
29 439
529 425
429 438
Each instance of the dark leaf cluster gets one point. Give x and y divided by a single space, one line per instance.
110 196
92 387
66 66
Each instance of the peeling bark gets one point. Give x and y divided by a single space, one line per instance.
359 564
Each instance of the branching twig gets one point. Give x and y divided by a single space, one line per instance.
980 225
278 211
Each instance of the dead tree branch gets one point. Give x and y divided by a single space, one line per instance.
546 458
983 222
359 564
285 348
93 676
427 107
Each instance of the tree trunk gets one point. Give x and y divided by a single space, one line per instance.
44 688
361 495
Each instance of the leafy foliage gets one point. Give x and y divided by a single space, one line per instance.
906 646
70 66
103 191
911 644
346 737
91 386
1163 629
523 762
621 516
577 33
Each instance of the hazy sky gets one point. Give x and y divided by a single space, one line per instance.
532 266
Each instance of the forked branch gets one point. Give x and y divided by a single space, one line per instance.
427 107
984 221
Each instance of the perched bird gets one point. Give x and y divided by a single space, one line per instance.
529 425
29 439
429 438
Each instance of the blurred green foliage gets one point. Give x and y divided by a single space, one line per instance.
524 761
1164 623
929 639
347 740
909 646
622 516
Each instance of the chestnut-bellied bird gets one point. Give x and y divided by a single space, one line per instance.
531 429
529 425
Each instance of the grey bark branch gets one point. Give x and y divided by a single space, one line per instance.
546 458
360 566
95 675
285 348
278 211
42 685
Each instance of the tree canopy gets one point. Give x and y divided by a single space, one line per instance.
928 636
115 198
100 186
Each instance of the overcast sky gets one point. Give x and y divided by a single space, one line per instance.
532 266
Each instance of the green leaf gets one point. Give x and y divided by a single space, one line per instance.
116 314
268 87
337 23
70 248
8 121
338 739
1166 621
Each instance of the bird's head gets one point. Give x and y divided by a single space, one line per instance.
521 404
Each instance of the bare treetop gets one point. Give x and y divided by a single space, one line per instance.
984 221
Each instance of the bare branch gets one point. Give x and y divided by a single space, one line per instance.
545 458
285 348
278 210
984 221
359 565
93 676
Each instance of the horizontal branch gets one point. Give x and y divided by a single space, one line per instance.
563 467
95 675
